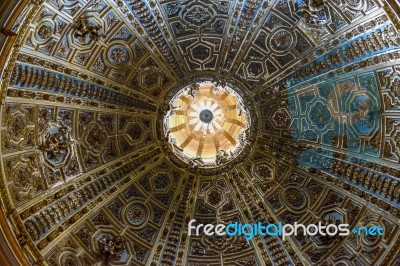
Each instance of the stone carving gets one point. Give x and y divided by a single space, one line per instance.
137 214
320 115
75 201
118 55
174 147
244 21
84 28
96 138
312 12
161 182
143 12
134 132
392 82
26 178
70 260
221 157
176 222
215 197
373 42
281 40
295 198
19 134
198 15
55 141
263 171
330 219
281 118
193 89
251 42
217 243
244 138
44 32
196 162
111 247
30 77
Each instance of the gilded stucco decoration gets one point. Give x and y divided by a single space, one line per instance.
93 172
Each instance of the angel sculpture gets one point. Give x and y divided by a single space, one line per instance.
86 28
193 89
221 157
312 11
55 143
196 162
111 248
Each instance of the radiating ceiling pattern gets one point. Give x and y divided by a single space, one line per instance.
86 163
207 125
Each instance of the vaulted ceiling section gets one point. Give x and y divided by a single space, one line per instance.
84 88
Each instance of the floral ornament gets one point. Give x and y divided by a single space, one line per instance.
198 16
281 40
137 214
264 171
281 118
96 138
17 121
20 131
295 198
26 178
320 115
215 197
44 32
118 55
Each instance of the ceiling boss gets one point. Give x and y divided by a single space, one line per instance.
207 124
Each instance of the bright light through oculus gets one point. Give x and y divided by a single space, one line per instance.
206 116
207 124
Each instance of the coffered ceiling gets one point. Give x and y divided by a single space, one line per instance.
86 84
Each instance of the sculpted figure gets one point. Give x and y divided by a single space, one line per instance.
312 11
174 146
55 143
221 157
196 162
85 28
243 139
193 89
172 108
168 136
111 247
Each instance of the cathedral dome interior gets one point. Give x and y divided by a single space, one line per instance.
207 124
123 120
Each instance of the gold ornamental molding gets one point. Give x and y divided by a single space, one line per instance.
10 244
392 8
9 52
22 15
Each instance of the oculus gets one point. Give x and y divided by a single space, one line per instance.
207 125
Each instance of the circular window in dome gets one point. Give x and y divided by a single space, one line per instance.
207 125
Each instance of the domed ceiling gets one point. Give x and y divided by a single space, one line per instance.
87 165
